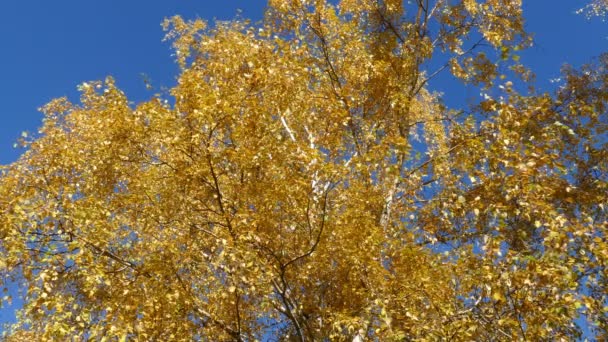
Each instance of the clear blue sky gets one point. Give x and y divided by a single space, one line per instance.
48 47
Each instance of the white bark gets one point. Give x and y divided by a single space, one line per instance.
359 336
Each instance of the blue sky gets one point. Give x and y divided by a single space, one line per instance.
49 47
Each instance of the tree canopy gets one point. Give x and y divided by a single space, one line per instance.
301 182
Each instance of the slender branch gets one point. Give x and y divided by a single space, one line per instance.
284 122
447 64
318 237
219 196
390 26
430 160
106 253
238 311
282 291
386 211
234 333
335 80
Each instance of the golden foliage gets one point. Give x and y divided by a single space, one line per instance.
302 183
596 8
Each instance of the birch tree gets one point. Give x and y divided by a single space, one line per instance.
302 182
